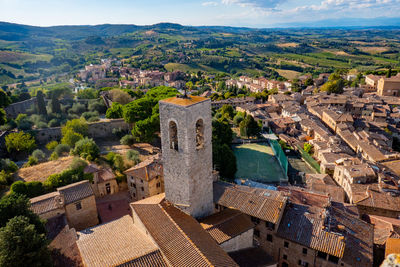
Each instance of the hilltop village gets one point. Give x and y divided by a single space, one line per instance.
133 167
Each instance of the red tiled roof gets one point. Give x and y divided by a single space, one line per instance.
305 226
226 225
264 204
180 237
45 203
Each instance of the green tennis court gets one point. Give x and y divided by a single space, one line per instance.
257 162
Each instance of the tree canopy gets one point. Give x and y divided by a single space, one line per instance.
20 142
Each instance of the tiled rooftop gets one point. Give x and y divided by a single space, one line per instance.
45 203
180 237
76 191
115 243
226 225
264 204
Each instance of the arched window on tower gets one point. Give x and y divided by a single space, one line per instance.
173 135
199 134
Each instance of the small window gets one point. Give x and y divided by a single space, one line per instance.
284 264
216 206
286 244
142 188
134 195
304 251
78 206
284 257
270 225
269 237
141 180
134 185
256 232
303 263
158 184
173 136
199 134
255 220
321 255
333 259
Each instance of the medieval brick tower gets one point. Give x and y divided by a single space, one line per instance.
187 153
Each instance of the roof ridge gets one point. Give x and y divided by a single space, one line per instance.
184 234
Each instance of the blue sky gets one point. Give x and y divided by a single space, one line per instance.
249 13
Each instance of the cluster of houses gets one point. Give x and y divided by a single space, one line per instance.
257 85
104 75
182 215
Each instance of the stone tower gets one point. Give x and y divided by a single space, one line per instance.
187 153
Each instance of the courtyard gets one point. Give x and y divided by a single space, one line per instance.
257 162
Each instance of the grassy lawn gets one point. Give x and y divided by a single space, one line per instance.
257 162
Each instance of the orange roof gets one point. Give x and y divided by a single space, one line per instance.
191 100
392 246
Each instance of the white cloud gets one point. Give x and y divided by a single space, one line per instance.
265 4
209 4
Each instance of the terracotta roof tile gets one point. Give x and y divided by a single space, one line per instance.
185 101
392 246
305 226
76 191
264 204
226 225
116 243
180 237
45 203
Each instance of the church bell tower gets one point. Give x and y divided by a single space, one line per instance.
186 133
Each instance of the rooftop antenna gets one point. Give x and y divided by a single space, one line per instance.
185 95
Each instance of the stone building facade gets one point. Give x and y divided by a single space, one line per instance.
187 153
76 201
146 179
104 181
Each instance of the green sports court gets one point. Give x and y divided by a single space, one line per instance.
257 162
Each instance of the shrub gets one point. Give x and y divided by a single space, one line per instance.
86 148
70 138
8 165
115 111
78 125
31 161
110 157
54 123
54 156
19 187
61 149
93 119
77 108
127 140
39 154
134 156
118 163
78 163
20 141
5 178
52 145
89 114
97 105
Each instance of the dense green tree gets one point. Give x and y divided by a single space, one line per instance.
22 245
13 205
333 86
224 161
249 127
41 103
134 156
115 111
3 116
86 148
20 142
228 110
79 126
55 104
309 81
239 117
221 132
70 138
4 99
308 148
88 93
